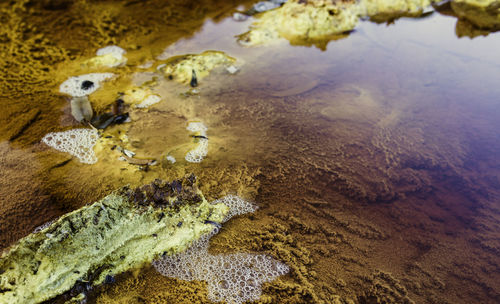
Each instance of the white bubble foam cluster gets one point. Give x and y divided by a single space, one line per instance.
77 142
114 51
201 150
237 206
148 101
197 127
79 86
198 154
234 278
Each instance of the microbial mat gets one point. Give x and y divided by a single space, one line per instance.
373 156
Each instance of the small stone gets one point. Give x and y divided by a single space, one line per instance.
232 69
87 84
239 17
128 153
194 80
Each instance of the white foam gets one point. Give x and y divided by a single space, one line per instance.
201 150
73 85
149 101
237 206
234 278
111 49
197 127
114 51
77 142
171 159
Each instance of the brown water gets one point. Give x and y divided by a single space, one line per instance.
375 163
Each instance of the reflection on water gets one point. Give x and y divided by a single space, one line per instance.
375 163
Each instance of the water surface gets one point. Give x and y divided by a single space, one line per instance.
375 162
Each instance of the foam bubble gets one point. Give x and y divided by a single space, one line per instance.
111 56
148 101
198 154
77 142
197 127
83 85
234 278
237 206
111 49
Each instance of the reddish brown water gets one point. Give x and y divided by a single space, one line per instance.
375 163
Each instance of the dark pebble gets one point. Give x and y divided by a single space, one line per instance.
109 279
194 80
120 118
87 84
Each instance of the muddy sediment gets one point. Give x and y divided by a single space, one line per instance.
377 180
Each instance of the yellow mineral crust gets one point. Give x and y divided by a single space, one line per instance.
181 67
374 7
122 231
483 14
383 10
303 21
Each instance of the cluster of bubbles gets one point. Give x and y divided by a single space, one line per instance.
197 154
77 142
115 52
237 206
234 278
83 85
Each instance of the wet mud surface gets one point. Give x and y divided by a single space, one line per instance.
374 163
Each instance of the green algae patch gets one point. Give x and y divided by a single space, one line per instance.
123 231
180 68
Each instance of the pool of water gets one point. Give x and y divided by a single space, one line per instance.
375 161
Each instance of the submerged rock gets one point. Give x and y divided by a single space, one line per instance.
123 231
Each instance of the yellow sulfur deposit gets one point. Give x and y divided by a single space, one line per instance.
181 68
303 22
483 14
123 231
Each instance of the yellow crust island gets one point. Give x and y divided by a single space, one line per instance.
123 231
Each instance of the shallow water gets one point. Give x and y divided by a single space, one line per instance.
375 162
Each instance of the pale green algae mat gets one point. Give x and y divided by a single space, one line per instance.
125 230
